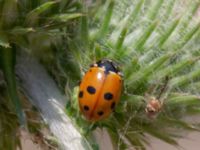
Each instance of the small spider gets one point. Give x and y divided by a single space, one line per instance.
155 103
153 107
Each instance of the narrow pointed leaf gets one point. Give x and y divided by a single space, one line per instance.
7 62
21 30
137 143
148 70
178 123
138 45
186 39
168 32
172 70
168 10
116 141
129 22
121 38
135 13
183 99
154 10
66 17
32 16
105 25
42 8
161 135
184 79
84 28
188 16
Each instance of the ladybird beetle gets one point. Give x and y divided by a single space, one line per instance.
100 90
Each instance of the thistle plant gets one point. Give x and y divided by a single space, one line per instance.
155 43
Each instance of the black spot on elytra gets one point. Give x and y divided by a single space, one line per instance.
112 105
108 96
91 89
100 113
80 95
86 108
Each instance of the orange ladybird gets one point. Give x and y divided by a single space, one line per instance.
100 90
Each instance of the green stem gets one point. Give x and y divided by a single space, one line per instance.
7 62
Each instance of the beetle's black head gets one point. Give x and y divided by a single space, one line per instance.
109 65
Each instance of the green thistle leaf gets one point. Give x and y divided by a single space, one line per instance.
66 17
7 62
